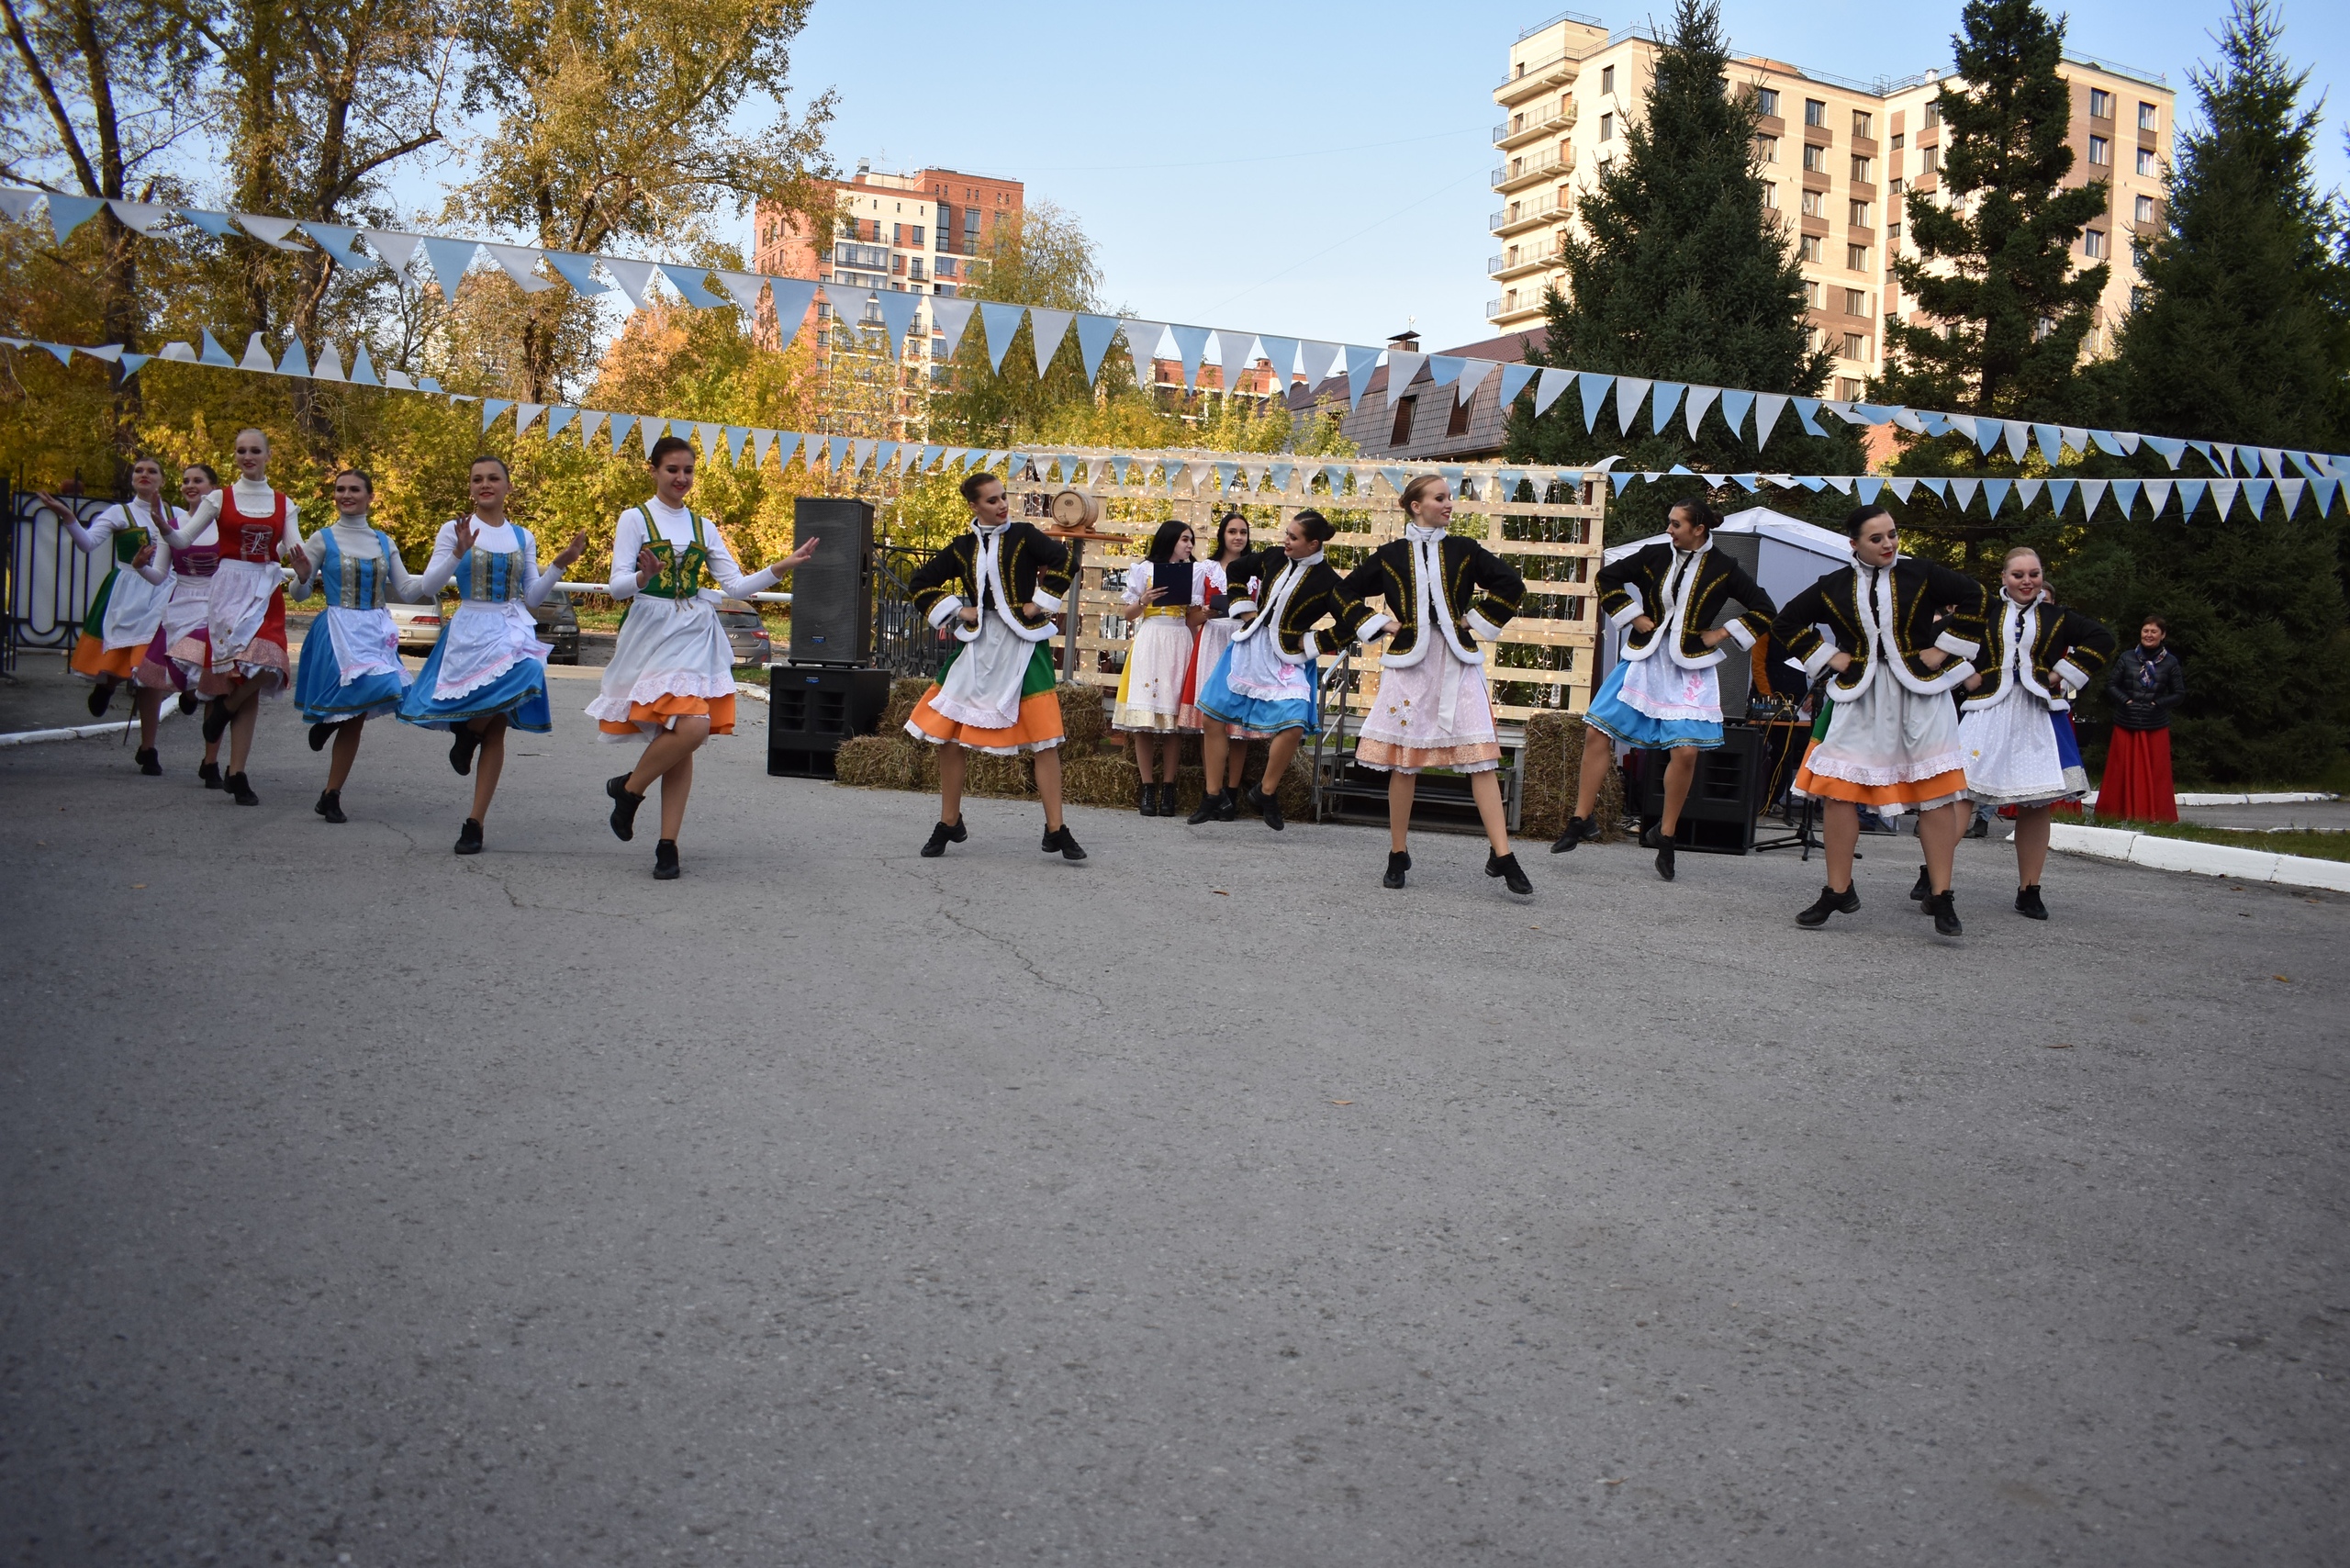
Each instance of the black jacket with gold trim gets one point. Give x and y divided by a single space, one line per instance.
2058 645
1920 591
1479 587
1635 586
1320 592
1035 566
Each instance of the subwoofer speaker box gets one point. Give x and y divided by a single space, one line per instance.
832 594
813 707
1724 796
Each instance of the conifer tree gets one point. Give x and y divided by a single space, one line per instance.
1678 271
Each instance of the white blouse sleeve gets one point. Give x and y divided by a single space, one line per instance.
1137 585
536 585
628 538
730 576
443 565
93 538
408 587
207 512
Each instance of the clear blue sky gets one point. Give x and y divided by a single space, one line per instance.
1227 157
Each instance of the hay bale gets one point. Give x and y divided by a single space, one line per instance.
1083 719
998 777
1296 791
876 761
1090 779
903 694
1554 774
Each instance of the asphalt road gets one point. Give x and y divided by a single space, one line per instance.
1205 1204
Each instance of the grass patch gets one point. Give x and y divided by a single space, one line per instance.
2318 844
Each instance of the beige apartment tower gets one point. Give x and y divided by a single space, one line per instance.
1839 158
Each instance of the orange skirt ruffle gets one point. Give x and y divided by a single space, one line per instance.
93 660
1911 794
665 710
1038 729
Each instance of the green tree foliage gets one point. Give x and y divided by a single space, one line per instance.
1039 256
1678 271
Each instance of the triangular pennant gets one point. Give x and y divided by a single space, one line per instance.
2125 495
949 316
1866 490
220 225
271 231
579 272
2321 491
297 361
213 353
1594 393
1142 349
897 315
2223 495
1807 414
1360 363
256 356
621 425
1840 483
1315 359
1046 328
1964 491
520 263
2272 460
712 436
526 415
1631 391
1002 323
2052 444
1663 401
786 447
1700 399
1548 388
450 259
762 443
2288 492
397 251
1939 488
634 277
1768 407
2255 496
2170 450
649 433
591 422
363 369
1902 490
692 282
335 239
17 204
493 407
1513 380
835 448
1734 407
146 217
793 298
1233 355
2190 496
132 362
329 365
62 352
735 436
2019 434
1282 352
1094 335
1190 346
2060 495
1444 369
1403 369
743 289
1473 375
2158 494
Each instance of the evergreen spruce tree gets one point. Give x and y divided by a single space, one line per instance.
2240 336
2003 310
1676 271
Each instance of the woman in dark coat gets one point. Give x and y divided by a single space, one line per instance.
2145 685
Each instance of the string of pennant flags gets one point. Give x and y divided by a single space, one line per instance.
1755 415
1241 474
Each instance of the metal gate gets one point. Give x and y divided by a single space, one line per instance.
50 581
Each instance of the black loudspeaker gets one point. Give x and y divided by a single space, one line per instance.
832 594
1718 816
813 707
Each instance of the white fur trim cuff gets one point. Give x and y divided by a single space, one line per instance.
946 610
1739 634
2074 676
1379 625
1485 630
1816 660
1312 646
1957 646
1045 602
1631 610
1243 607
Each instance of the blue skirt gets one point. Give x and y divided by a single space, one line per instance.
520 693
1258 715
321 694
1613 716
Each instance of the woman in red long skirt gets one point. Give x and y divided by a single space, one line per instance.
2144 684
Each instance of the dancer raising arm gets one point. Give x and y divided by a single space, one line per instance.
2017 728
489 672
1444 594
672 675
1892 736
245 607
1158 663
1663 694
128 610
181 650
351 670
997 587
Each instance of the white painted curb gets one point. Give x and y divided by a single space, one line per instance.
2160 854
82 732
2283 798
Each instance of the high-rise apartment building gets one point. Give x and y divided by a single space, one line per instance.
913 232
1839 158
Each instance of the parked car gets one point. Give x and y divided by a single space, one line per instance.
420 626
745 631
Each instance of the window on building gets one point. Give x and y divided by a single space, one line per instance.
1855 346
1766 102
1770 196
1815 112
1814 203
1892 235
1861 213
1811 293
1815 160
1807 248
898 265
1607 127
1933 114
1861 123
1606 78
1900 140
2149 118
2146 209
1766 149
1856 302
1931 158
1401 435
2100 150
1895 186
1458 422
1856 258
920 241
1864 171
914 271
1516 124
1848 389
2148 165
2093 243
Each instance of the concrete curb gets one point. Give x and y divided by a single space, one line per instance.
2203 860
2282 797
82 732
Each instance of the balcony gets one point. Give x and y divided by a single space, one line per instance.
1530 259
1555 71
1521 172
1561 120
1523 215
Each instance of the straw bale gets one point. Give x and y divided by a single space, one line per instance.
1000 777
903 694
1553 775
1082 719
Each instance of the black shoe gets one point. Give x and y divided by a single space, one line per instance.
624 804
1943 907
1830 902
469 837
1169 806
1060 838
1227 808
100 699
1266 806
210 773
664 861
330 806
1147 798
2027 903
149 763
1511 874
1398 862
1979 828
235 785
215 721
463 742
1578 830
1923 888
188 703
941 835
321 734
1647 835
1664 858
1212 809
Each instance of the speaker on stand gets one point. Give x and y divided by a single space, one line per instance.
827 690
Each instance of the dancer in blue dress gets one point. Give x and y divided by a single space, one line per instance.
351 670
489 672
1663 694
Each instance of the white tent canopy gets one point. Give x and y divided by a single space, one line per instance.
1793 553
